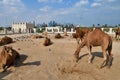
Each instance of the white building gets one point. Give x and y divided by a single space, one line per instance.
22 27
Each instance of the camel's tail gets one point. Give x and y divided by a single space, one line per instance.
110 46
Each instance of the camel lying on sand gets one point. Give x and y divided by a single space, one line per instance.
96 38
47 41
58 36
6 40
8 57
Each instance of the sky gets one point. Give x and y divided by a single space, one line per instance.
83 12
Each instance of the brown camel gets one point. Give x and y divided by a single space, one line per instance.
8 57
47 41
6 40
117 33
58 36
96 38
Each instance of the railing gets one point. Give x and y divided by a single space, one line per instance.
70 31
106 30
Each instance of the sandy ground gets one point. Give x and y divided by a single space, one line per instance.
55 62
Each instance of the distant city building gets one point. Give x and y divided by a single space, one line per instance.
23 27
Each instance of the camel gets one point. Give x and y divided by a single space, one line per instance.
58 36
6 40
96 38
47 41
8 57
117 33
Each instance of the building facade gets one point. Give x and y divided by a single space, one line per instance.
23 27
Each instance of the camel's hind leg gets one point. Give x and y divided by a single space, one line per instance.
90 55
110 58
104 58
2 68
78 40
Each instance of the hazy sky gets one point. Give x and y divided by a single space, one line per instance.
84 12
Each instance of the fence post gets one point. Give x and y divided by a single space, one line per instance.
5 30
102 29
110 30
71 30
65 30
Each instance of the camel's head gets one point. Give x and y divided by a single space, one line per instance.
8 49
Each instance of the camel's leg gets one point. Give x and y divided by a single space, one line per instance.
90 55
104 58
76 54
78 40
110 58
2 68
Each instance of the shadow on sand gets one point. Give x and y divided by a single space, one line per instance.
18 64
23 58
97 54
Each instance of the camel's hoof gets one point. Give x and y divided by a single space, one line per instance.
76 60
100 67
90 62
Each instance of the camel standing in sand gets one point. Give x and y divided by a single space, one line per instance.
97 38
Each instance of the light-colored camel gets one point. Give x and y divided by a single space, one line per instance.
96 38
8 57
